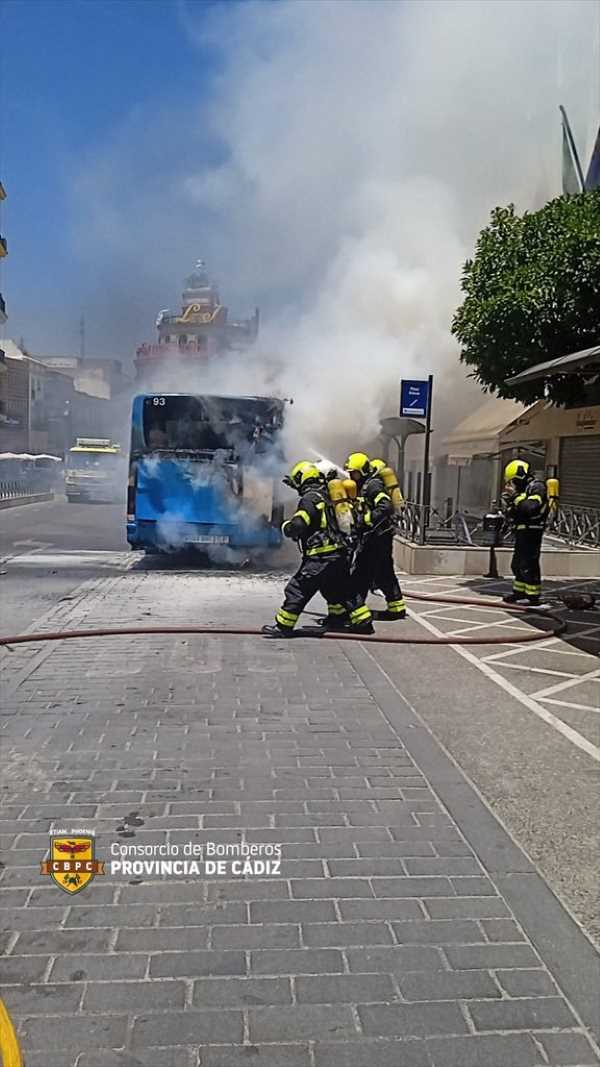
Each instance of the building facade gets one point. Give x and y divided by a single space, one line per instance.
45 412
98 377
568 440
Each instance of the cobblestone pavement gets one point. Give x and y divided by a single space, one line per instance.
405 928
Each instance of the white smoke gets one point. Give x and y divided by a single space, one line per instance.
363 145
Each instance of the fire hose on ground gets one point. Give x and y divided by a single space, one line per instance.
559 626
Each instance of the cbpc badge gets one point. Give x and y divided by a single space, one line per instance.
72 864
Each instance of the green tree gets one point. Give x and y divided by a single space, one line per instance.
532 293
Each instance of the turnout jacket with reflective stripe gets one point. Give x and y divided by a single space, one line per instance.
312 524
375 505
529 508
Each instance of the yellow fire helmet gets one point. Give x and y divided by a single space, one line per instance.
310 474
358 463
517 470
303 472
293 478
377 465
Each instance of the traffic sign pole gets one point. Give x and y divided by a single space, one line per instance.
426 487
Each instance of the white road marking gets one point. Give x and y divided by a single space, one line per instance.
544 645
70 559
432 595
509 624
566 704
486 611
29 544
590 677
528 702
535 670
427 581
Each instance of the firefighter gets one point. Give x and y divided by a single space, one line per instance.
525 503
325 565
374 564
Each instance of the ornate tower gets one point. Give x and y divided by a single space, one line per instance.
200 332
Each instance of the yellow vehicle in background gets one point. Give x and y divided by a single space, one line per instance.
96 470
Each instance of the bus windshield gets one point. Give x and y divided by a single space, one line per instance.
86 461
209 423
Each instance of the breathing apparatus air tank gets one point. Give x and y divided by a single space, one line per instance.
341 504
390 482
552 489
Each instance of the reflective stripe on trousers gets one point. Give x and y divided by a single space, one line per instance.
321 550
396 606
336 609
360 615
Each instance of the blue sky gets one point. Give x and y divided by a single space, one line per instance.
73 73
325 157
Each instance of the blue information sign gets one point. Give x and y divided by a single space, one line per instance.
414 398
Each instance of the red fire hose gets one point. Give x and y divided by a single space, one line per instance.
558 627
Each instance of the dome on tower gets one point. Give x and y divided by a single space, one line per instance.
198 279
199 289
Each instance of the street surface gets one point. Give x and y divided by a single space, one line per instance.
437 807
48 549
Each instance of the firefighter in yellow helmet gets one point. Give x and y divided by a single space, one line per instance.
525 503
325 567
374 565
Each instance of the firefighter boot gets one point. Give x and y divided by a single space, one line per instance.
336 619
513 598
395 609
361 621
277 631
332 624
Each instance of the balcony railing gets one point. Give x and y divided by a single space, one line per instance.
148 351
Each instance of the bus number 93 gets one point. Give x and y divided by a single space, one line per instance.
158 401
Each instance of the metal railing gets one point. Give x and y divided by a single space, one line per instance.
427 525
574 526
11 490
410 522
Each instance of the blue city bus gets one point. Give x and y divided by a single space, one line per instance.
204 471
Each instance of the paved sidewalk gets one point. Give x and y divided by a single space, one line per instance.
394 935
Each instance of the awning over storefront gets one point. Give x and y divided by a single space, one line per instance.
543 421
588 359
479 433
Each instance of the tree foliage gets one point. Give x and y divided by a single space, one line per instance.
532 293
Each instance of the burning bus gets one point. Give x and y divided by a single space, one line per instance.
204 471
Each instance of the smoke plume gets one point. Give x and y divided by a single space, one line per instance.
359 148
